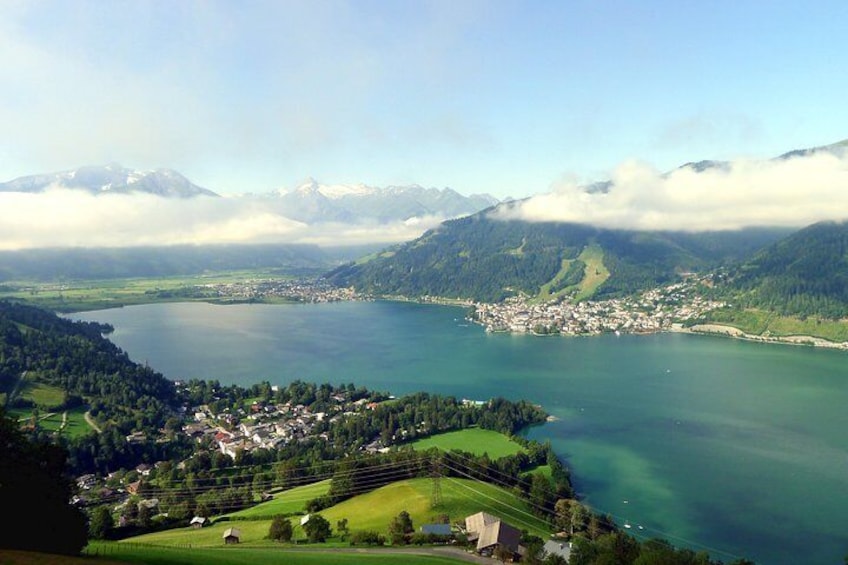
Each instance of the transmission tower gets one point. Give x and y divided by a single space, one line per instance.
436 495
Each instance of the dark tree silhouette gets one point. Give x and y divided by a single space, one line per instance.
35 492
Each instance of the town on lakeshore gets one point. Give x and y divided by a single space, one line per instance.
675 307
652 311
294 290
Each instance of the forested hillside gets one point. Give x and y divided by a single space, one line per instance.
77 367
802 275
487 259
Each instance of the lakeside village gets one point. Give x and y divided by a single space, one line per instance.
661 309
297 290
229 432
653 311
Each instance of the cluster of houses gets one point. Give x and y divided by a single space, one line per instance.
313 291
652 311
266 425
92 489
262 425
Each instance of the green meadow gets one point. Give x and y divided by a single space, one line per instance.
70 423
74 420
371 511
472 440
110 552
460 498
41 394
292 501
80 295
761 322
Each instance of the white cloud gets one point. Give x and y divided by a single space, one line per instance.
792 192
69 218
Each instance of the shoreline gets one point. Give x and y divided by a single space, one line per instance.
732 332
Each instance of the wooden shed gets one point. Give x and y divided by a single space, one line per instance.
231 535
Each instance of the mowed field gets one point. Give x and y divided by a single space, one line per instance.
371 511
292 501
472 440
70 423
111 552
75 296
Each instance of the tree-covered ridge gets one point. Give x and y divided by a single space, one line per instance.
487 259
75 357
89 371
805 274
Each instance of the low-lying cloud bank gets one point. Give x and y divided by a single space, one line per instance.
70 218
783 192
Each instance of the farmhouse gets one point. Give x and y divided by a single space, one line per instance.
198 522
231 535
491 532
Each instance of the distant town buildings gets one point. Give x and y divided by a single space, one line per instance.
652 311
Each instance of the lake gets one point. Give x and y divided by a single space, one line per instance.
735 447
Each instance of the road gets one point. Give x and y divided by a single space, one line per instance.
90 421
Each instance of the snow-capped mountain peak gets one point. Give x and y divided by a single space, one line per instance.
312 201
332 191
111 178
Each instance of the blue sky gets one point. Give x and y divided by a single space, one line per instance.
510 98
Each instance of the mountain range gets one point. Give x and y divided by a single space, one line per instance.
797 273
110 179
484 258
311 202
489 257
314 202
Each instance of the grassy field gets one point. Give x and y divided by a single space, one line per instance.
373 511
545 470
291 501
761 322
473 440
11 556
460 498
43 395
545 291
594 276
253 532
75 424
75 296
596 272
106 552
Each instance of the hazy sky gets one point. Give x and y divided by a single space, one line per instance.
510 98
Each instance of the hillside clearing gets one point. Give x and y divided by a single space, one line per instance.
596 273
472 440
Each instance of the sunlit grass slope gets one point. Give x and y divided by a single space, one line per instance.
374 511
472 440
291 501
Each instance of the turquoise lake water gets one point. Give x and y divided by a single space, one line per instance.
740 448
